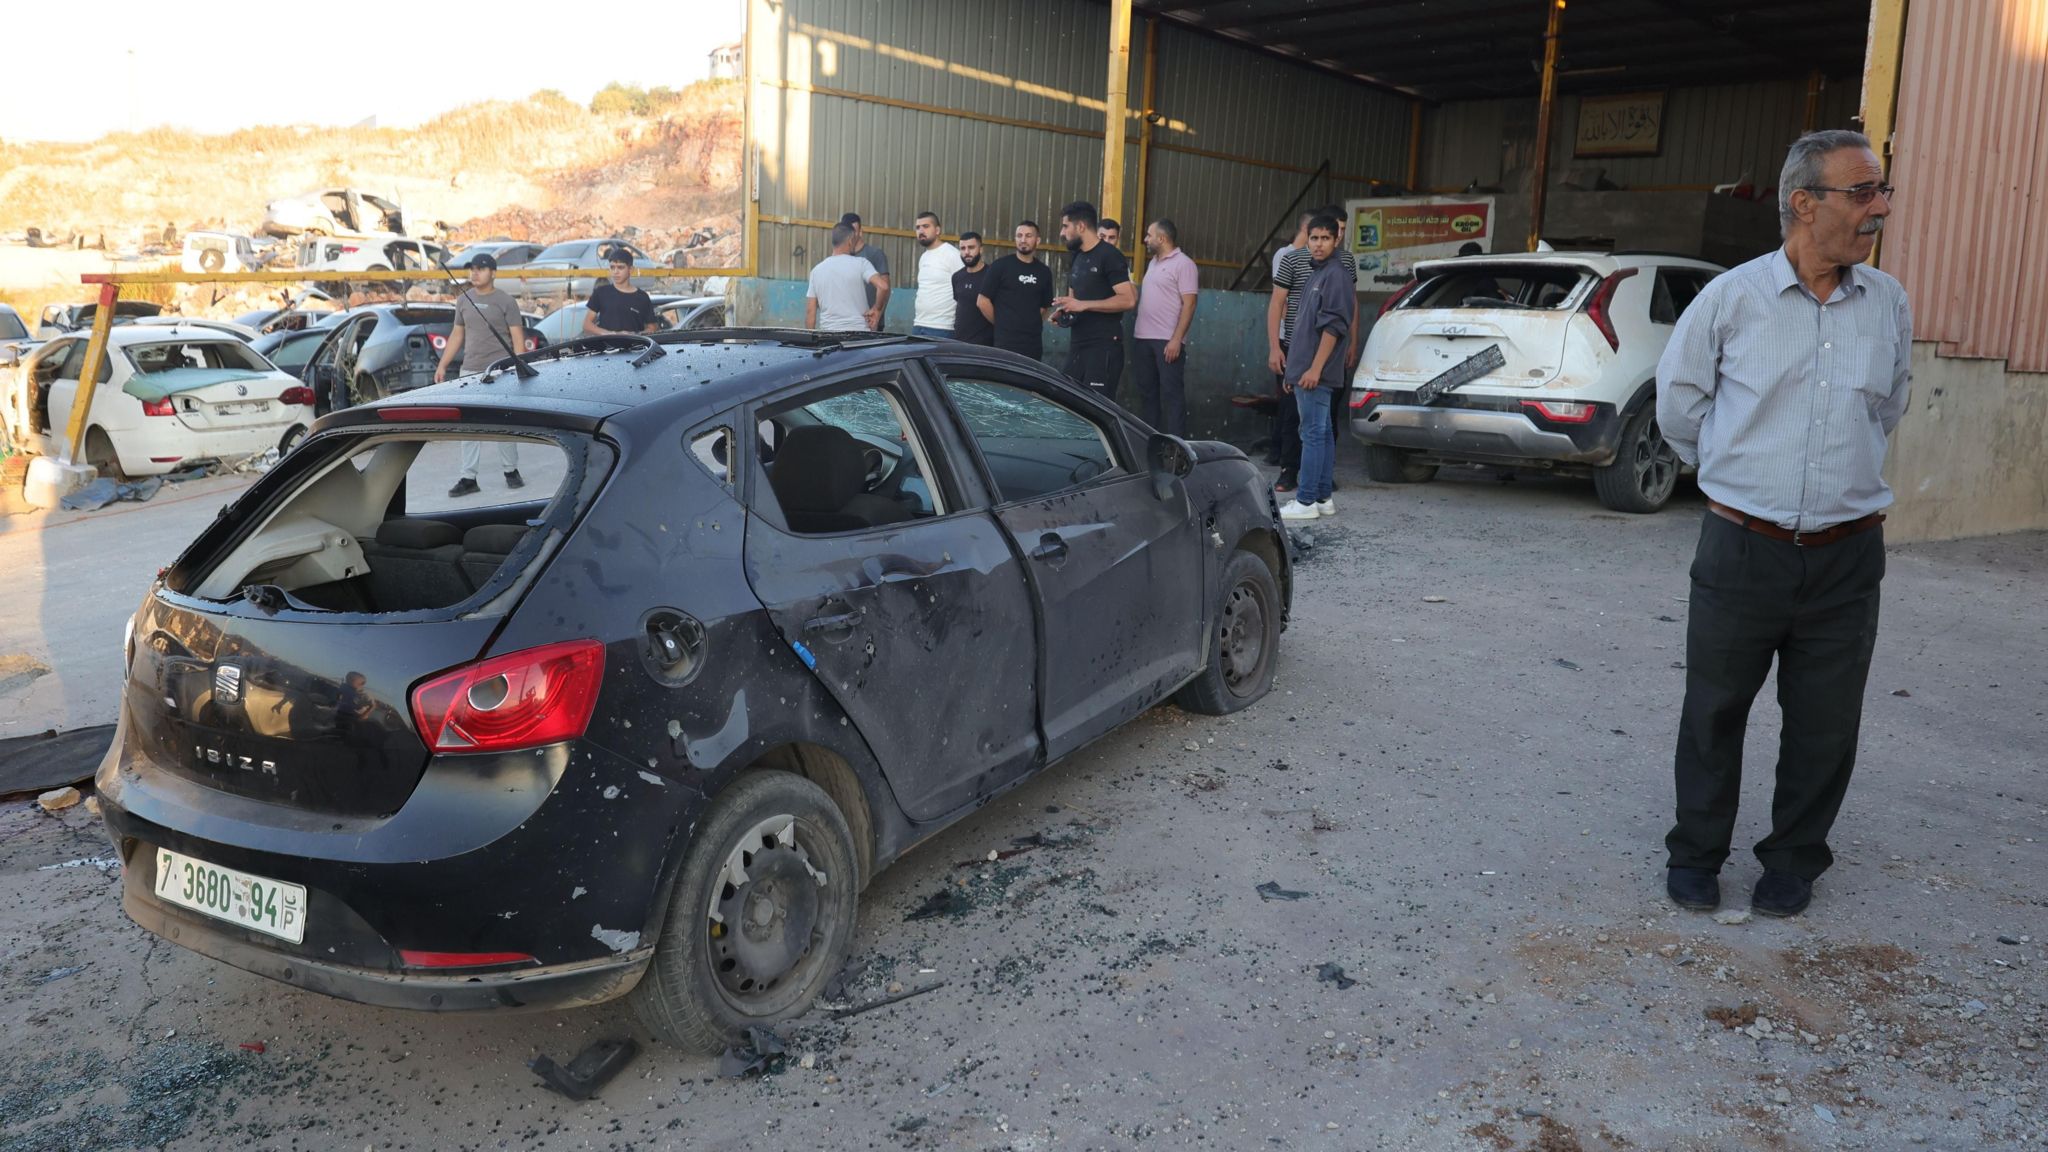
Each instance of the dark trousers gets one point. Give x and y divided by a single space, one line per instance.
1161 386
1815 611
1097 364
1286 423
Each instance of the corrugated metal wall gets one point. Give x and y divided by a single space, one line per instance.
1969 231
1711 136
1039 63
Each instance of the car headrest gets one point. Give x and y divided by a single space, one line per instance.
818 468
493 539
418 534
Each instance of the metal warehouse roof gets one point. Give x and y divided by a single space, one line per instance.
1474 49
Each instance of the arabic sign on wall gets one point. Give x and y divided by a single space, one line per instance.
1390 233
1625 125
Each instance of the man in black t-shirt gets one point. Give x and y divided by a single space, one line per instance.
1018 291
969 325
617 307
1099 292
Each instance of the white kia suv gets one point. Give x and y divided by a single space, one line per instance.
1531 360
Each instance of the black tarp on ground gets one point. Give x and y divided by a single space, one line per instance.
52 759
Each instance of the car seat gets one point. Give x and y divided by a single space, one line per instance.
820 476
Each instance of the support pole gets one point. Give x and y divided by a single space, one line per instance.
88 376
1116 108
1145 143
1881 61
1816 83
1546 111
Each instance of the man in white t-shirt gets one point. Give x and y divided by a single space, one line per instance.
935 268
837 299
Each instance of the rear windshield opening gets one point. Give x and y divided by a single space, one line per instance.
1499 286
401 523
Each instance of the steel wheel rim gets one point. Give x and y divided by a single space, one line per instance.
1656 465
767 916
1241 638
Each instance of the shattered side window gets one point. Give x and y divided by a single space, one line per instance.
713 450
1032 445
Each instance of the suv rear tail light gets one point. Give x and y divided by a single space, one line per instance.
519 700
1394 301
1596 308
1564 411
161 406
1361 398
439 341
296 395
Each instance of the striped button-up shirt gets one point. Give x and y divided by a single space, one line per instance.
1784 401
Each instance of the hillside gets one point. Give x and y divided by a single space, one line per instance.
542 169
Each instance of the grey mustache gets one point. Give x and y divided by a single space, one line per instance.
1871 227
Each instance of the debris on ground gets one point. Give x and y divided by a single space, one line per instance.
763 1054
1732 916
911 1124
1334 974
1433 600
59 799
1565 664
895 994
106 490
945 902
255 1046
59 973
589 1070
47 759
1271 890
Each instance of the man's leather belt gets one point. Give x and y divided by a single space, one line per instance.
1813 539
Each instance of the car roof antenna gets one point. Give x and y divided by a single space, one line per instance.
520 368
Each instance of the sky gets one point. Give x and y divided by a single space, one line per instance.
241 64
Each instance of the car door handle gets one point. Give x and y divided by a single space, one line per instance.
837 622
1050 548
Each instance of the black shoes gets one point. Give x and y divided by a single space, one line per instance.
514 480
1780 894
1288 482
466 486
1694 888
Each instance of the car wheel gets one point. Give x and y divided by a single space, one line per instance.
1394 466
99 452
1246 645
364 389
1645 469
759 917
292 436
211 260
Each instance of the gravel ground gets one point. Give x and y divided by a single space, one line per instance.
1461 804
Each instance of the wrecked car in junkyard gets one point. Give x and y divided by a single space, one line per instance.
772 608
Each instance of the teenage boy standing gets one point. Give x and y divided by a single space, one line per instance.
1315 365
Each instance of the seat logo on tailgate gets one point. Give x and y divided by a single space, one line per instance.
227 684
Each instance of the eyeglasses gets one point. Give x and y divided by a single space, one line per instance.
1859 194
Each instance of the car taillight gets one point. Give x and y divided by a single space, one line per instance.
296 395
1596 308
349 249
161 406
1563 411
1396 298
519 700
412 959
439 341
1362 398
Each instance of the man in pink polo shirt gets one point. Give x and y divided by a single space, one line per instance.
1166 306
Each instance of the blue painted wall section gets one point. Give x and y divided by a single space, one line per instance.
1226 352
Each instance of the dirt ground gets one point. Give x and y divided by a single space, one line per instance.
1461 805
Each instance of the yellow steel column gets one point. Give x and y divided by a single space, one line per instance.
1414 144
88 376
1116 108
1139 225
1546 111
1816 81
1881 60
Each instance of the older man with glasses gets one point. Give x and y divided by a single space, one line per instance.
1782 382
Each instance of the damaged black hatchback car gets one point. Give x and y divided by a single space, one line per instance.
769 609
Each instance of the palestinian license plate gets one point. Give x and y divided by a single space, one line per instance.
238 407
1486 360
268 906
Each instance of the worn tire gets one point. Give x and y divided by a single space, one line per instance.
686 997
211 260
1645 469
1393 466
1237 674
99 452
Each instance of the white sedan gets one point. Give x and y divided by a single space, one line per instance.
166 396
